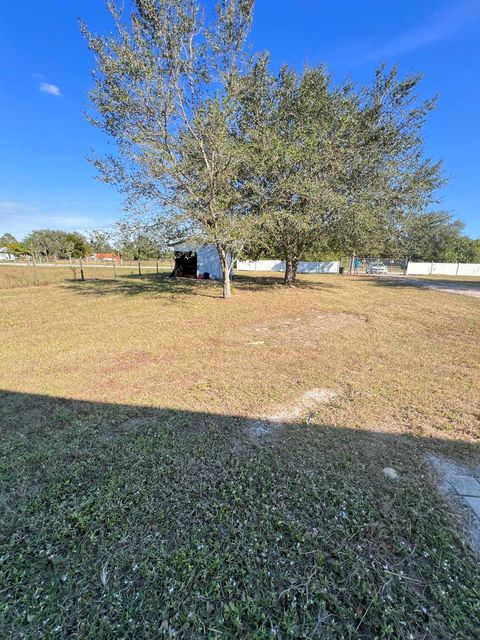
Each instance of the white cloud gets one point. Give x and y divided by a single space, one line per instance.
439 26
20 218
52 89
9 207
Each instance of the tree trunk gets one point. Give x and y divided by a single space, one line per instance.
82 275
290 278
34 265
352 263
222 254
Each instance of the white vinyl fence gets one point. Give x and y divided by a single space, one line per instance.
442 269
279 265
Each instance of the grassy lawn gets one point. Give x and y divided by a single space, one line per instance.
137 501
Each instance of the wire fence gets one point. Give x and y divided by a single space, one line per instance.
25 274
379 266
28 261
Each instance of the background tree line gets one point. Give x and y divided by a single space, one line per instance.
49 243
130 243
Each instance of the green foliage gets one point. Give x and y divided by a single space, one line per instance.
16 248
436 237
285 163
165 89
160 530
55 243
99 241
136 240
75 245
463 249
7 239
289 181
387 178
333 168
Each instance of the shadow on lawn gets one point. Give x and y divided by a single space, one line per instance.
257 283
150 284
25 415
120 521
164 285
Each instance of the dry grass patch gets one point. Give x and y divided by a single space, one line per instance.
304 329
399 356
135 499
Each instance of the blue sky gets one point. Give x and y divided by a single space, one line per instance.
45 180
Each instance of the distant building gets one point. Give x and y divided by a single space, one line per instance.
5 254
106 257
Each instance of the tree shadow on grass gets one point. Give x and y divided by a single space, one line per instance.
147 284
165 286
257 283
121 520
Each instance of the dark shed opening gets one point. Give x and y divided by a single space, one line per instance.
185 264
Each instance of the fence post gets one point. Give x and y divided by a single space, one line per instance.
114 268
139 268
431 268
34 269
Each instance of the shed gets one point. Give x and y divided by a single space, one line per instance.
194 260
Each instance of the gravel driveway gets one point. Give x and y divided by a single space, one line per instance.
464 289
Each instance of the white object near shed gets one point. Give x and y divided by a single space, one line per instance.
5 254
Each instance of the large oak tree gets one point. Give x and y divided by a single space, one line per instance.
166 90
338 164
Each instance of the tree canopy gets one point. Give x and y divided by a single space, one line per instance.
165 89
437 237
290 122
240 156
335 166
58 244
7 239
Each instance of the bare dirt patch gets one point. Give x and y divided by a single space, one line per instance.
304 329
272 423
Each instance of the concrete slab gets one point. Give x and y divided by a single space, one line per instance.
449 472
474 504
466 485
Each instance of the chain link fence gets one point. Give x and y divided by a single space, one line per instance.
380 266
